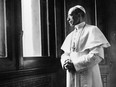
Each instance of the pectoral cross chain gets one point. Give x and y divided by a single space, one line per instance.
74 48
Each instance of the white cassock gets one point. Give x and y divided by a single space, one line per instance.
89 42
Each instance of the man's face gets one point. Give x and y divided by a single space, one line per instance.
73 19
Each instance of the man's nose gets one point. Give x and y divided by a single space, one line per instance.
68 19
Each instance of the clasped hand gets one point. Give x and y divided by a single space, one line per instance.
68 65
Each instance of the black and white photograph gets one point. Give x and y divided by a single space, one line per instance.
57 43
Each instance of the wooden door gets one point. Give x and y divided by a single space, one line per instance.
11 27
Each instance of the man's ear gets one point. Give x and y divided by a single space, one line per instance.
79 15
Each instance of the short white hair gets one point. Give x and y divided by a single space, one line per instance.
75 7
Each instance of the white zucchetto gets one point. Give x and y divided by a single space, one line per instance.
75 7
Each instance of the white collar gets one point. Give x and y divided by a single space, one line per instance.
80 26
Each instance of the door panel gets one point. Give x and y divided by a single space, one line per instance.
102 12
12 20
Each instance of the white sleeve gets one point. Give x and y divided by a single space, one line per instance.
92 58
64 57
